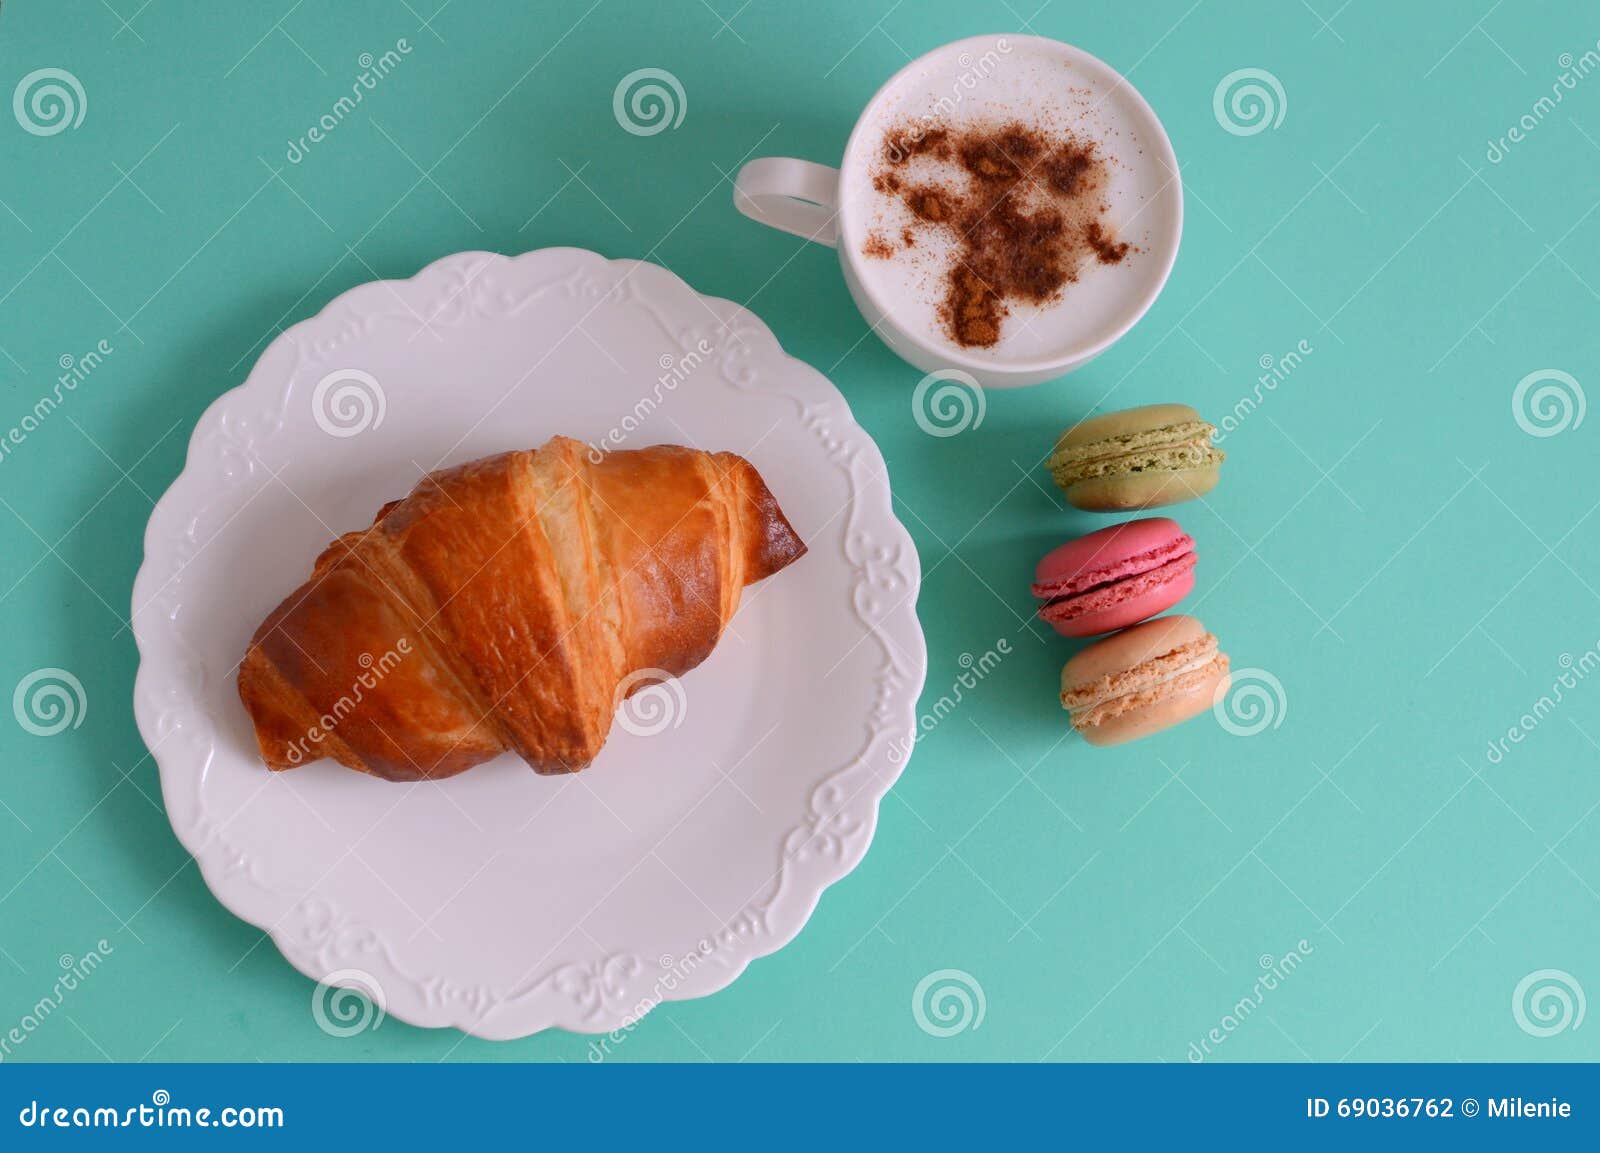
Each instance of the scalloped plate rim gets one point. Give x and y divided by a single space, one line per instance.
227 894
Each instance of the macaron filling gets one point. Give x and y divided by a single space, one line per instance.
1088 580
1183 669
1113 593
1127 442
1174 447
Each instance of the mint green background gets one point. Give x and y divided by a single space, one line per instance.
1386 541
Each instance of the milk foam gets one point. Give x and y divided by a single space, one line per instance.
1042 84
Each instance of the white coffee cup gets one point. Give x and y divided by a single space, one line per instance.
992 78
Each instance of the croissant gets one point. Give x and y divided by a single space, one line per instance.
504 603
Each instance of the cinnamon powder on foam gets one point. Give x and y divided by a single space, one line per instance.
1024 206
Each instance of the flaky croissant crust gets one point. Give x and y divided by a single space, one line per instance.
501 605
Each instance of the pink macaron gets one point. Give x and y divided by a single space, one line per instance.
1115 577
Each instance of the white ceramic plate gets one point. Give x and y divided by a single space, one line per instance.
502 902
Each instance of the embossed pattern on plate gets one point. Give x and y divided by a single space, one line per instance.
501 902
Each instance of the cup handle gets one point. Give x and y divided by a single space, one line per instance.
794 196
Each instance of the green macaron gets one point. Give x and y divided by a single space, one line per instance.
1137 458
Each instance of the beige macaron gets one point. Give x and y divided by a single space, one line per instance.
1142 680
